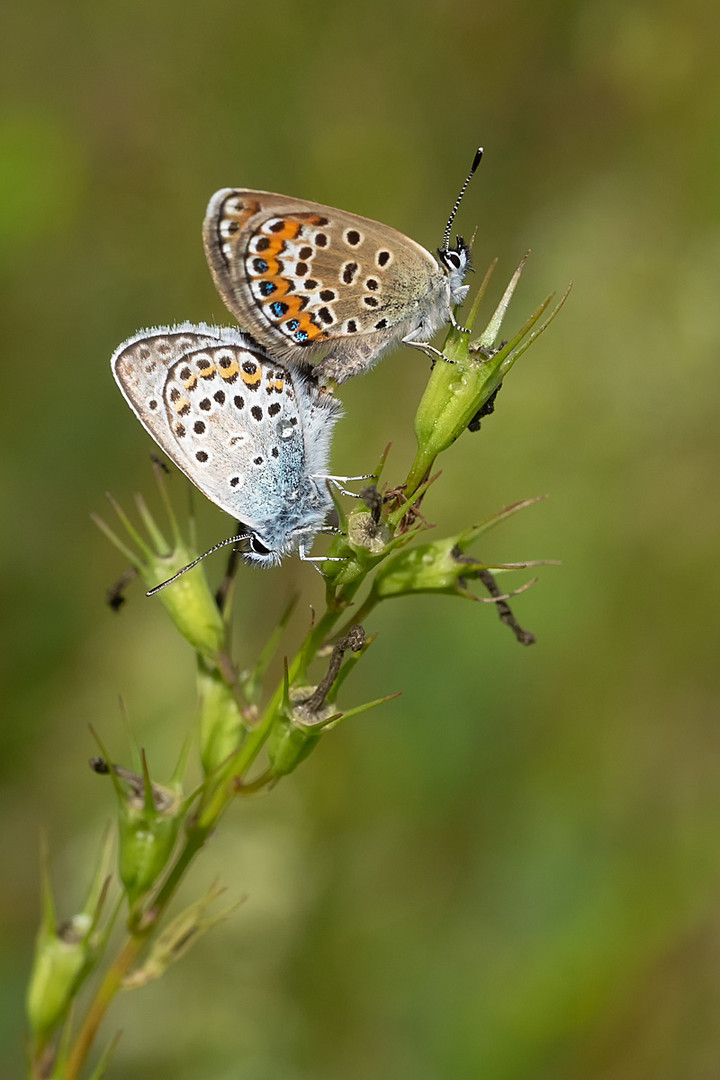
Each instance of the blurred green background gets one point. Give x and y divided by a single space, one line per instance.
512 871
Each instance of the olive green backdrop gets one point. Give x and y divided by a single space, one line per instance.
512 871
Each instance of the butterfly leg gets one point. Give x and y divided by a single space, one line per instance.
318 558
458 326
428 349
340 481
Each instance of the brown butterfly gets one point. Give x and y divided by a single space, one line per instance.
304 278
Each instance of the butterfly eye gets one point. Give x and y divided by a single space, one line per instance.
455 260
257 547
258 553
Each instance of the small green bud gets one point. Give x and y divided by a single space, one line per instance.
296 733
146 843
62 957
189 601
442 566
457 392
306 712
66 953
424 568
148 821
288 745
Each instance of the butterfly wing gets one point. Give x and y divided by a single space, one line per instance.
230 418
301 275
140 366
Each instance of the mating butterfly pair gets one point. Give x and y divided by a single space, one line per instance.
246 418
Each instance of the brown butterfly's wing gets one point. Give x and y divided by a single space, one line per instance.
302 276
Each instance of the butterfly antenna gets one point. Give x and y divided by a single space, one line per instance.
210 551
448 228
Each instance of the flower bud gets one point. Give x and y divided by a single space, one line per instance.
297 731
308 711
147 840
66 953
457 392
62 956
442 566
148 821
189 601
424 568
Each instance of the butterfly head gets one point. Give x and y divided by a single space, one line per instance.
455 261
267 551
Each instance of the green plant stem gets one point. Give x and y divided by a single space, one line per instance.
359 615
127 956
197 835
100 1005
419 472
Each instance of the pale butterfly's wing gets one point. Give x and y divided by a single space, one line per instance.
302 276
140 366
233 420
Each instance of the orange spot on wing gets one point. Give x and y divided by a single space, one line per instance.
312 330
289 231
252 379
281 287
273 266
293 304
230 372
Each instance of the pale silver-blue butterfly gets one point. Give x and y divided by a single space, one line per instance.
251 433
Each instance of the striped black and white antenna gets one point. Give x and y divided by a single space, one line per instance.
448 228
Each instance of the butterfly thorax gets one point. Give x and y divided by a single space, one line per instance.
294 527
300 511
